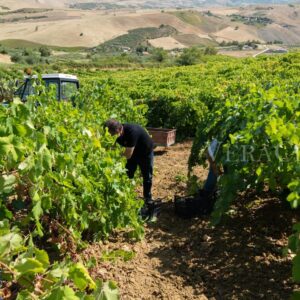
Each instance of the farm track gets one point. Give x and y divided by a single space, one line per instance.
187 259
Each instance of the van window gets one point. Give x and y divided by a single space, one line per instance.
29 89
68 89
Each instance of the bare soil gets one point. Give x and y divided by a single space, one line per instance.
168 43
4 58
241 53
241 258
70 28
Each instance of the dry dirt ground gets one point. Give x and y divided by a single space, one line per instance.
242 53
4 58
168 43
188 259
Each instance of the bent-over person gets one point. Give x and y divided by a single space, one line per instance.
138 152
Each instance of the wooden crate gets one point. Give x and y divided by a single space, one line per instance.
162 136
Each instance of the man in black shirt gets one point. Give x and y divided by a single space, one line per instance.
138 152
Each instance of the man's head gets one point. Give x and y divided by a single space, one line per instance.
114 127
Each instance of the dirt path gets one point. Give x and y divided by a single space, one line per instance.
187 259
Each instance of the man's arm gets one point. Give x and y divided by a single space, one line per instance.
212 164
128 152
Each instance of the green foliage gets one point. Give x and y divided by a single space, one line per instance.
190 56
32 59
27 52
256 120
260 120
175 97
30 268
136 37
3 51
60 166
66 162
45 51
241 103
159 54
63 157
254 20
210 51
16 58
182 114
7 89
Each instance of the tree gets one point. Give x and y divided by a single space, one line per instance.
31 60
189 56
16 58
45 51
159 54
27 52
210 51
3 51
139 49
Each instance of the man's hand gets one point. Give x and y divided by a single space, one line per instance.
128 152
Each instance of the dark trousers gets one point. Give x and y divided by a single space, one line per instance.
146 165
211 181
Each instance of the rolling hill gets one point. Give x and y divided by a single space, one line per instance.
152 4
51 23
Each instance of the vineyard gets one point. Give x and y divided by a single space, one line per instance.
64 185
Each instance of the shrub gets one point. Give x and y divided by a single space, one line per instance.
210 51
159 54
31 60
170 111
27 52
189 56
45 51
16 58
140 49
3 51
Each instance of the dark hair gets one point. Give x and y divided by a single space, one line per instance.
113 126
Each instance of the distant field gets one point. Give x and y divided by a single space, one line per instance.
167 43
32 45
90 28
192 39
207 23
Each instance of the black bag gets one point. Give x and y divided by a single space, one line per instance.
194 206
185 207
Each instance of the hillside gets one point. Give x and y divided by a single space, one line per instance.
145 4
44 24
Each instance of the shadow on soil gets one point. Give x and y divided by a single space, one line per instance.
160 152
239 259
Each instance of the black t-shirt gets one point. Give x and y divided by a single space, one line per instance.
136 136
